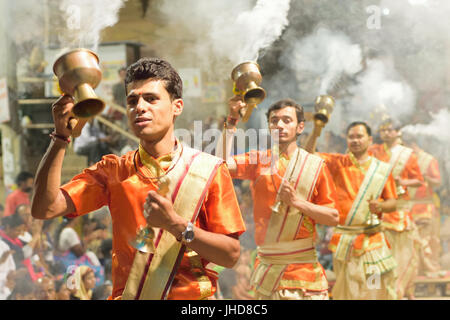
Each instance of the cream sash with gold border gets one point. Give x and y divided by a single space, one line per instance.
151 274
399 157
359 215
280 248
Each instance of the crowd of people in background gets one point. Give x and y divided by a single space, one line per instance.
64 259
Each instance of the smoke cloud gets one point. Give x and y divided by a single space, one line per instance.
224 35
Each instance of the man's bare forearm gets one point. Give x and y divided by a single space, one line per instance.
320 214
48 200
389 205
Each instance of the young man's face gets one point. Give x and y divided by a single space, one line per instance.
285 120
358 140
150 110
388 134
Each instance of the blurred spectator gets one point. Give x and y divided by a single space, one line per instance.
7 268
102 292
24 289
106 251
92 142
13 228
72 252
45 289
21 195
94 232
119 95
62 292
84 283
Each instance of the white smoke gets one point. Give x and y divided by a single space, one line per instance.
380 92
321 58
224 34
85 19
437 128
242 37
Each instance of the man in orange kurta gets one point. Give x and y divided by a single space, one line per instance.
367 248
399 225
425 213
299 280
129 182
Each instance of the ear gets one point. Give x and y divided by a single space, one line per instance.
300 127
178 106
370 140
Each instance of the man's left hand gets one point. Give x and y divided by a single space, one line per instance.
159 211
288 194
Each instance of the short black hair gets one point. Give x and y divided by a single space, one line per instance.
23 176
12 221
360 123
287 103
157 69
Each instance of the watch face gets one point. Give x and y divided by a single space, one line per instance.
189 236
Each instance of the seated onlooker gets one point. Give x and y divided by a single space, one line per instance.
84 283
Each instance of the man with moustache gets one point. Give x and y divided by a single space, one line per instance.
292 191
197 222
362 259
399 226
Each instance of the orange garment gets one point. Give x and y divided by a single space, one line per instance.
348 178
15 199
255 166
396 220
425 192
113 182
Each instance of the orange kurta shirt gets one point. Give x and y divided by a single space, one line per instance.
425 192
394 219
113 182
348 178
255 166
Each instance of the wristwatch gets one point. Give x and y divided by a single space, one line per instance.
188 235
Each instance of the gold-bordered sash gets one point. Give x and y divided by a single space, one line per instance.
371 188
151 275
274 259
358 217
280 248
285 223
399 157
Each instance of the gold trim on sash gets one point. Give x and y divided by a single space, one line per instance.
279 248
357 219
371 187
358 229
168 248
399 159
274 259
